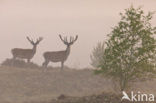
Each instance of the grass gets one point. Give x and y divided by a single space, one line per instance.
25 85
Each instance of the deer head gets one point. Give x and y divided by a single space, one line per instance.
35 43
70 42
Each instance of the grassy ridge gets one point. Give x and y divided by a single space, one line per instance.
25 85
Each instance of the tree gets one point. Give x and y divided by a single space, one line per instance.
131 48
97 55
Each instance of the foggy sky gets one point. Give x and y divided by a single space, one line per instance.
92 20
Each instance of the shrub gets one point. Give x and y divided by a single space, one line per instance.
97 55
19 63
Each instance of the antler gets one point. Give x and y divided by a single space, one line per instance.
72 40
65 41
30 40
39 40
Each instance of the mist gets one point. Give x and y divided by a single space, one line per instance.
91 20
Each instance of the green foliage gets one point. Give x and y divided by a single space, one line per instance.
97 55
131 48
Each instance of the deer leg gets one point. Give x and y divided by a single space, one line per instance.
45 63
14 57
13 60
28 60
62 65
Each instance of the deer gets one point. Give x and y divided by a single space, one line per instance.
59 56
27 54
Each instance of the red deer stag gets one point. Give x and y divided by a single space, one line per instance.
26 53
59 56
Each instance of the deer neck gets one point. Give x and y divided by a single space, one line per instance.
34 49
68 50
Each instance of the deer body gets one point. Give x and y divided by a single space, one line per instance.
59 56
25 53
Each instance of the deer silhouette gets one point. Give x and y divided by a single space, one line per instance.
59 56
27 54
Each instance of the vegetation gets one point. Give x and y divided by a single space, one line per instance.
19 64
97 55
130 50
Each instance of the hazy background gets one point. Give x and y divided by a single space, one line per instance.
90 19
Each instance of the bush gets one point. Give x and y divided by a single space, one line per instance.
97 55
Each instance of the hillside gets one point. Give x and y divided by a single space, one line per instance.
30 85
